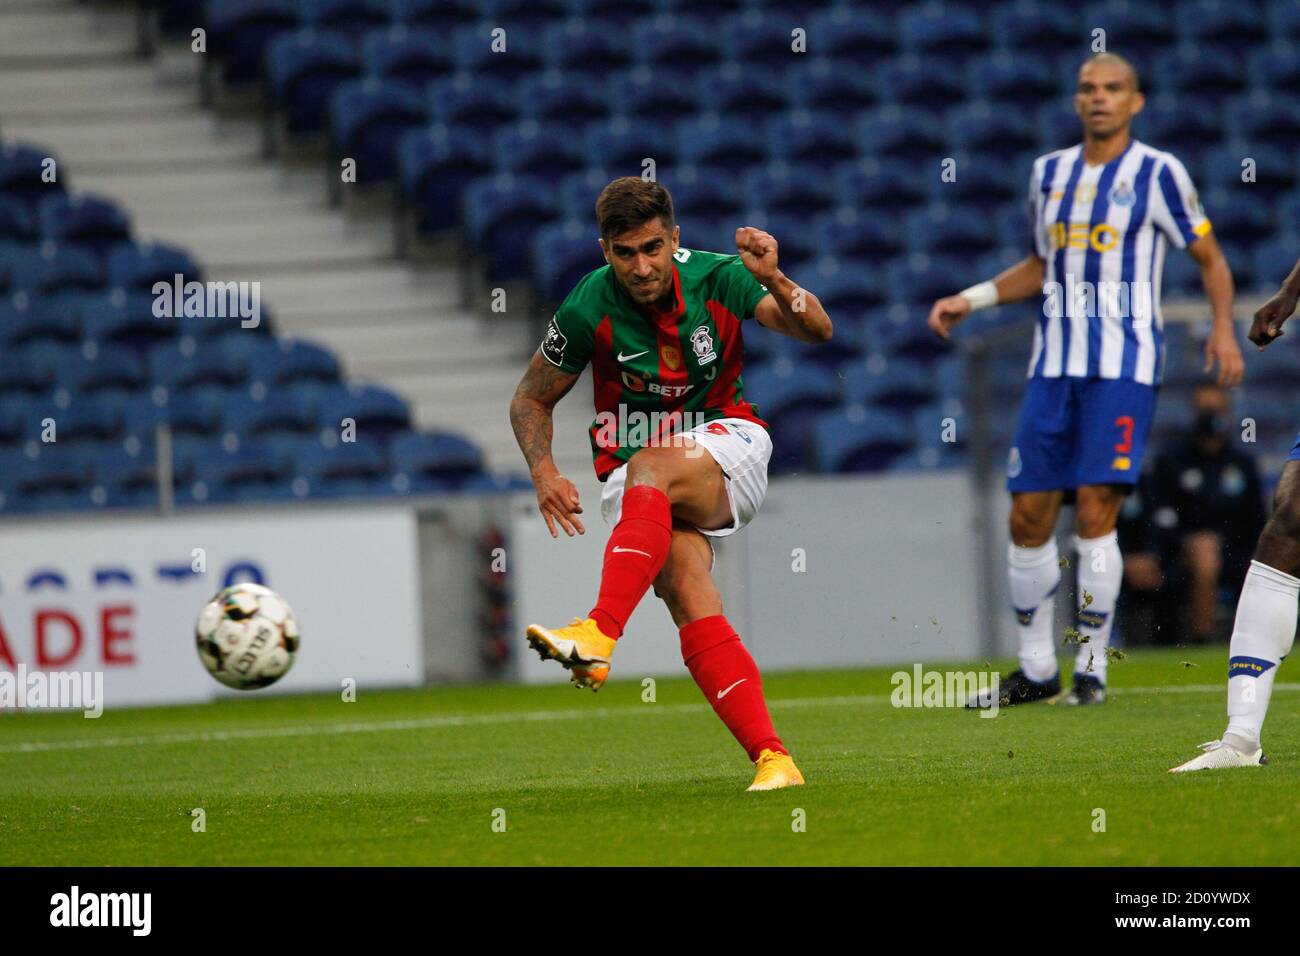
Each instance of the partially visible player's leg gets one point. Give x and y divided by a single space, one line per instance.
718 662
1114 421
1099 568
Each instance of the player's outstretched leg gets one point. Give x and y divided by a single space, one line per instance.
656 483
1262 633
717 660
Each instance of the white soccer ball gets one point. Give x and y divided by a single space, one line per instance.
247 636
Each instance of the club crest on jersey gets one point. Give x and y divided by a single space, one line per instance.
702 343
554 343
672 356
1122 195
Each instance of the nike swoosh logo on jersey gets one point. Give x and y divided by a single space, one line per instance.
617 549
724 693
628 358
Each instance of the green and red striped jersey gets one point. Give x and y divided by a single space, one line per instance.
657 373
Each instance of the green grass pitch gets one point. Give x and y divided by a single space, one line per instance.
415 777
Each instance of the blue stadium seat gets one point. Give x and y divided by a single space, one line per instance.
83 221
938 30
641 93
1168 123
530 13
824 84
375 411
435 166
1274 261
797 243
240 30
984 183
350 16
82 419
237 471
368 117
585 50
23 372
17 220
304 68
707 8
285 361
502 214
476 51
1022 79
844 34
1059 127
414 56
703 196
136 267
182 365
861 233
914 84
478 105
991 130
680 46
94 368
559 101
785 386
786 187
563 252
921 279
1188 71
58 477
51 267
578 192
740 92
23 169
185 415
709 139
430 462
606 14
1219 23
758 42
1239 217
343 469
1280 62
624 144
857 439
23 322
1264 115
125 319
529 148
125 478
889 383
1137 31
1274 169
270 412
938 231
444 16
890 132
1028 26
813 139
884 184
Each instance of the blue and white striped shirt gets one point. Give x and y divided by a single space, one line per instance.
1102 232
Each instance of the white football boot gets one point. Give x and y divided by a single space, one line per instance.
1218 754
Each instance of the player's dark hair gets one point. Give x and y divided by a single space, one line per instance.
631 201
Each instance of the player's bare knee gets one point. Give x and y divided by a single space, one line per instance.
1028 529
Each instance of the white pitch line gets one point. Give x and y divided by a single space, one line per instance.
470 720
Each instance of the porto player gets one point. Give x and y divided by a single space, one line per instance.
1101 214
1264 628
660 325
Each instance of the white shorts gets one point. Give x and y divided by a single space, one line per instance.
742 450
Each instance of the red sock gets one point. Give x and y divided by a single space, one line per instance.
636 552
721 666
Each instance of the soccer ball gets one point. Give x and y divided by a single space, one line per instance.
247 636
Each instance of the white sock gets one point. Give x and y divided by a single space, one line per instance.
1034 574
1262 635
1100 571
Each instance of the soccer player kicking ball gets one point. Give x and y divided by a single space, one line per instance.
660 325
1264 629
1101 213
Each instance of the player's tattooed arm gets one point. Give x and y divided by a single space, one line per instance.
531 417
786 308
1270 316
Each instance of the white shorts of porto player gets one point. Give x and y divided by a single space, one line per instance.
742 450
